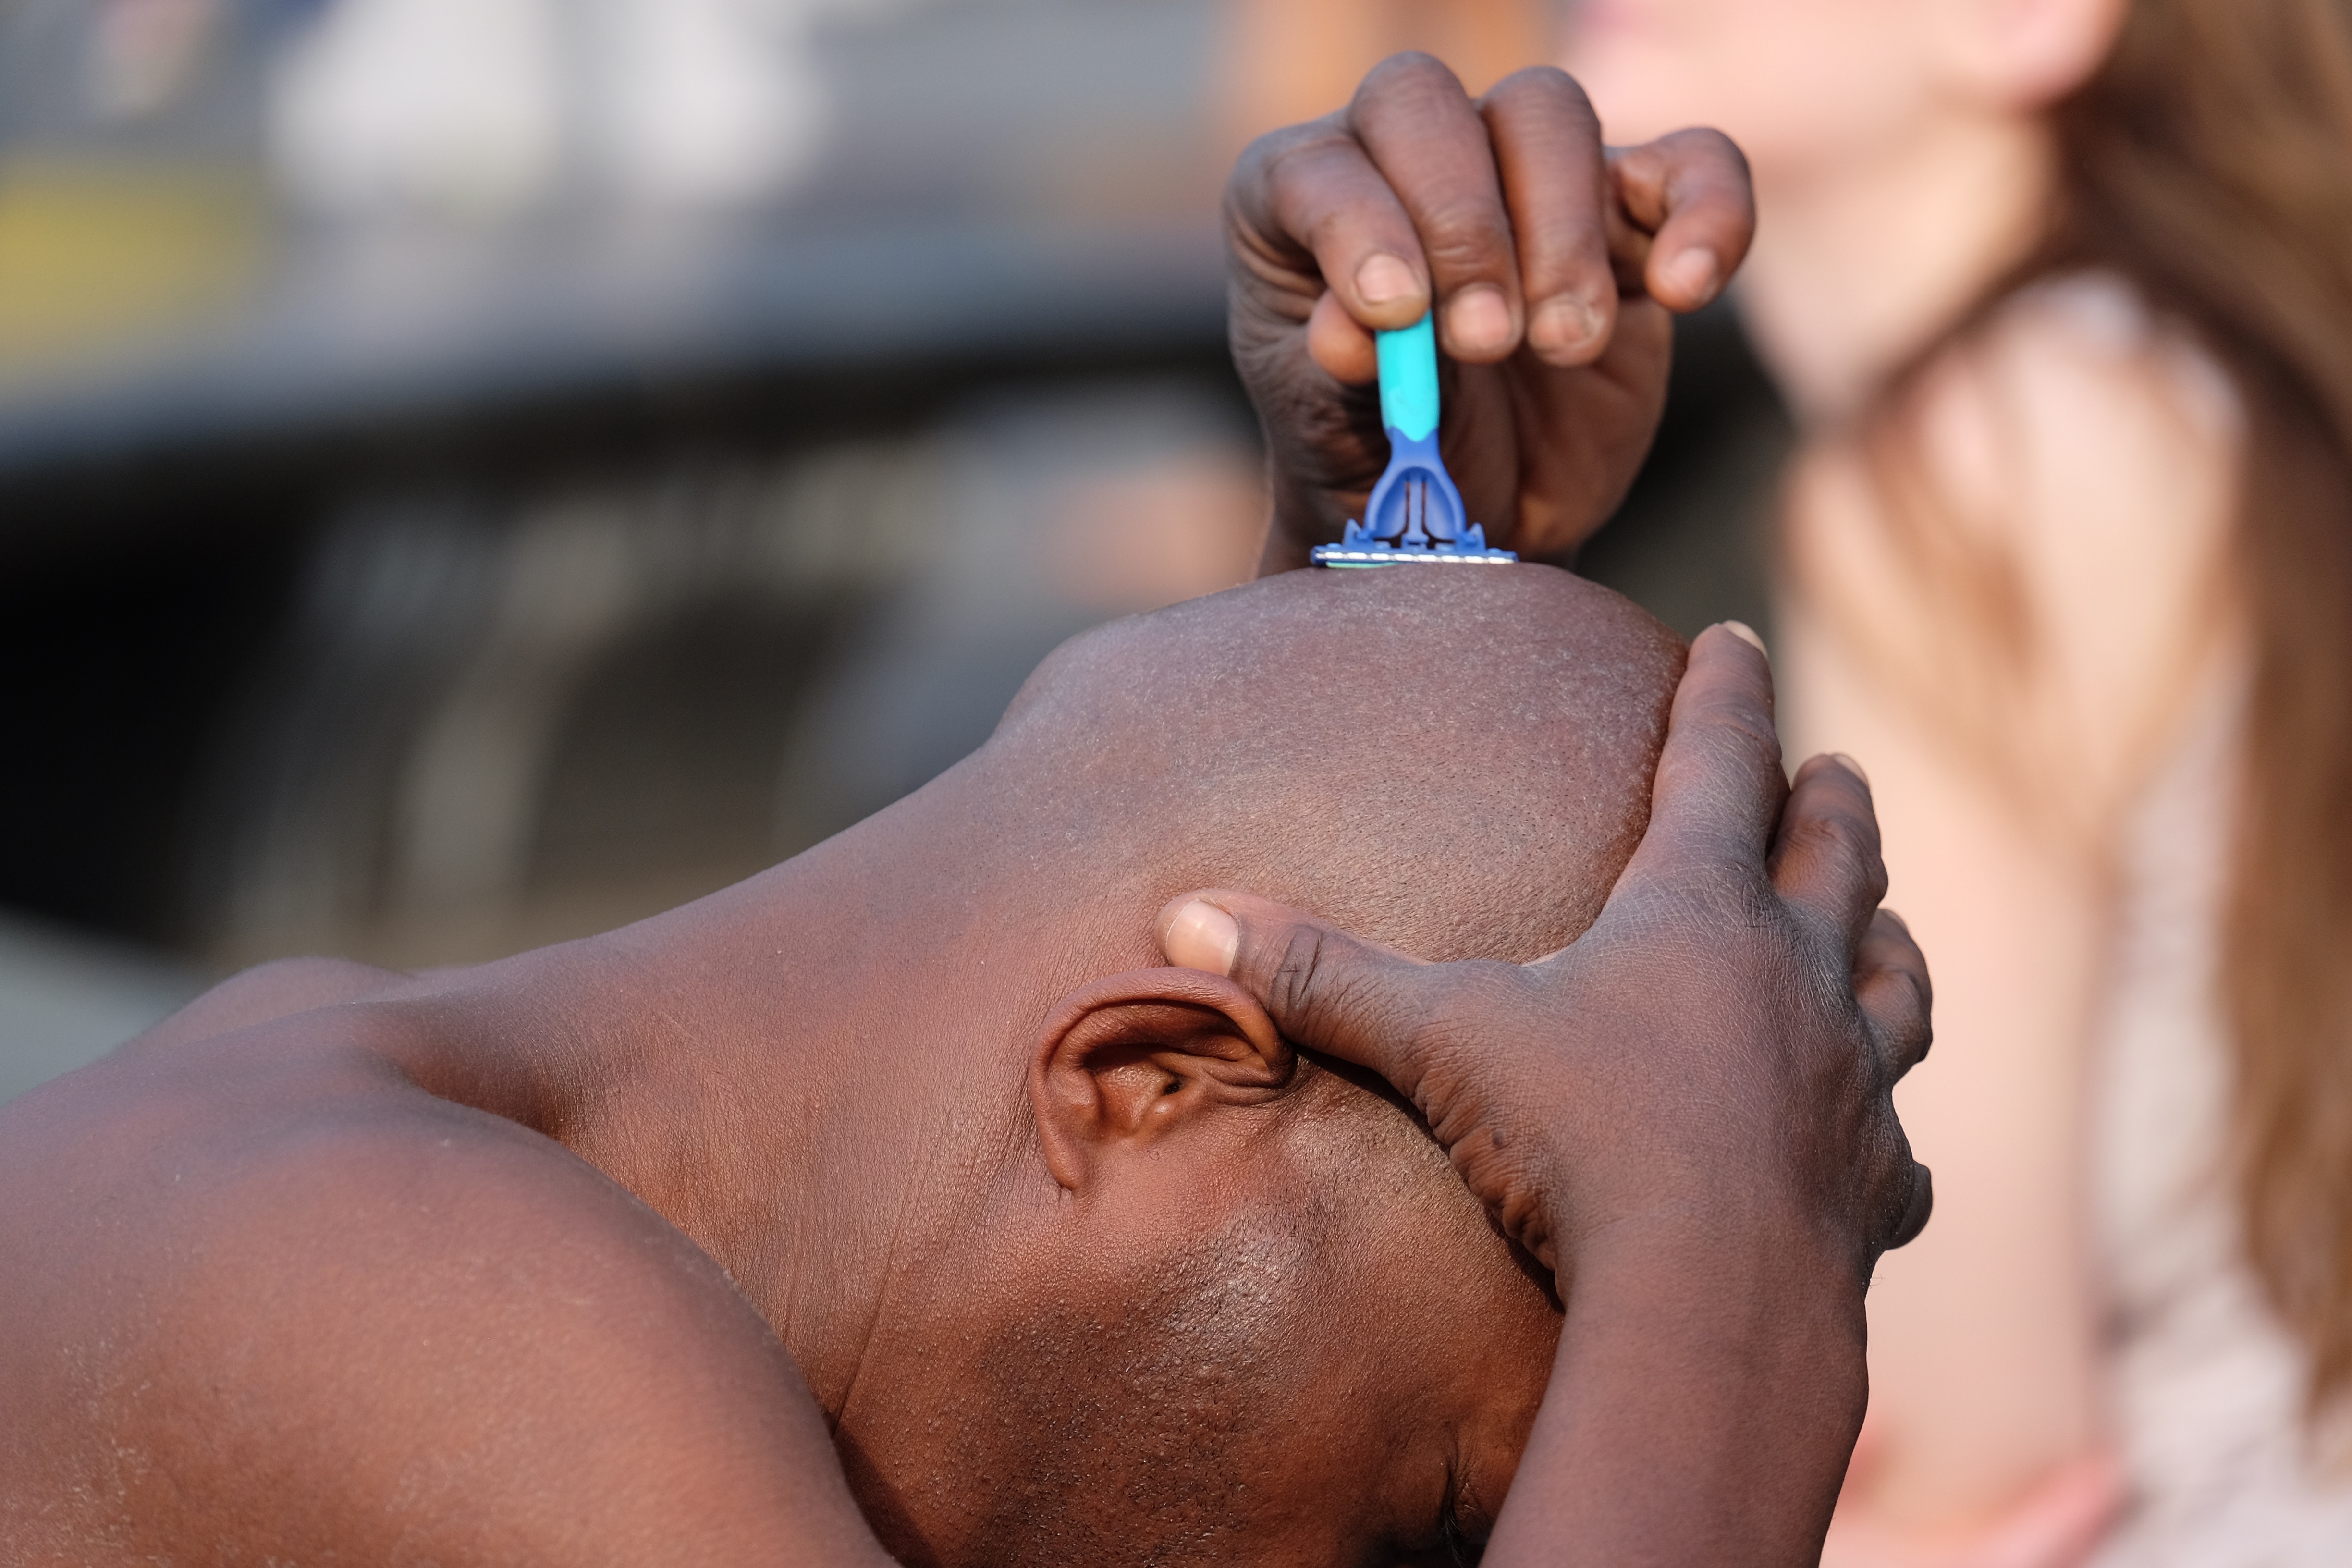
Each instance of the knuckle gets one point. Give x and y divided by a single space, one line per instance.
1298 168
1912 1032
1707 901
1746 724
1702 145
1318 989
1923 989
1843 1064
1730 720
1547 88
1296 989
1513 1183
1845 843
1718 773
1911 1199
1409 71
1919 1040
1261 164
1467 233
1873 874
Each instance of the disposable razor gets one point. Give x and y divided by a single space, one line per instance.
1415 516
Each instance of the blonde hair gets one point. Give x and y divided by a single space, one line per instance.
2209 161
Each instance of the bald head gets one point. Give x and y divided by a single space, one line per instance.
1250 1301
1455 762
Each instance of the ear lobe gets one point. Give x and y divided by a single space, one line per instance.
1127 1059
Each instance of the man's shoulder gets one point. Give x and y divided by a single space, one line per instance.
263 1291
278 989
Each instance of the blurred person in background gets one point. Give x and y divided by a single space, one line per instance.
2060 293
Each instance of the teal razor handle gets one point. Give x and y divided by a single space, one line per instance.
1416 514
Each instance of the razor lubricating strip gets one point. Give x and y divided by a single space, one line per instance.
1415 515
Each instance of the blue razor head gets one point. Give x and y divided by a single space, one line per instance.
1416 514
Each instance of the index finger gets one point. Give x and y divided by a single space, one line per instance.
1308 211
1433 149
1719 789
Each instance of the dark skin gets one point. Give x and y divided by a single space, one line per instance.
1555 263
898 1205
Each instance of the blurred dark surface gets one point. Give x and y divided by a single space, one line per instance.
419 571
1691 543
147 636
123 659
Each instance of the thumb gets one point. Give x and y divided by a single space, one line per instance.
1719 787
1325 990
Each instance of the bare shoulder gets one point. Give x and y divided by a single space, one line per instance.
267 1299
269 991
2076 432
2044 539
2105 407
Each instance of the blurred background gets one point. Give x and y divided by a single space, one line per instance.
473 472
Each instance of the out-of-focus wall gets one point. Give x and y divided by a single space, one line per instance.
473 472
477 471
132 199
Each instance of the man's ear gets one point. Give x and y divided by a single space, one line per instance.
1130 1058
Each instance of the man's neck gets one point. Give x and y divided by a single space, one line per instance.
755 1069
1859 263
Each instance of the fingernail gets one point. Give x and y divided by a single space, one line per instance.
1850 765
1203 936
1478 321
1563 324
1746 633
1693 275
1384 278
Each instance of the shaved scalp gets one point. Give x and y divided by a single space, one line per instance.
1454 761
